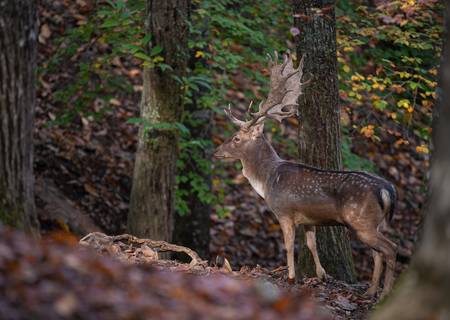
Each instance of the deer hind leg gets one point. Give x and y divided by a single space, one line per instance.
310 232
377 268
391 258
288 228
382 245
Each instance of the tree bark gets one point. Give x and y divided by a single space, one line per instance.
425 289
18 33
319 130
153 190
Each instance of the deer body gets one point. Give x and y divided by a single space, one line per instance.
303 195
312 196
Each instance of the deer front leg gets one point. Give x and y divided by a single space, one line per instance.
288 228
310 232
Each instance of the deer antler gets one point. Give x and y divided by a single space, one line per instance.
285 87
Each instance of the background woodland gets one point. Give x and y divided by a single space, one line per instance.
90 126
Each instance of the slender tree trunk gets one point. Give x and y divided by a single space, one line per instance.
153 191
18 33
319 131
424 291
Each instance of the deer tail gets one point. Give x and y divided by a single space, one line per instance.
388 197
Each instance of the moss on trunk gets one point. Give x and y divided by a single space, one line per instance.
153 191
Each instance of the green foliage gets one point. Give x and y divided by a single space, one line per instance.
352 161
388 58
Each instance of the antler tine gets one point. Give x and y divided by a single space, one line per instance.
270 60
285 61
250 106
233 119
300 64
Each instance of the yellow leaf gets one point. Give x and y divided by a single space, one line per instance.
368 131
199 54
346 68
404 103
348 49
422 149
433 71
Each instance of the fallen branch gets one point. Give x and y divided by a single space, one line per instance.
101 241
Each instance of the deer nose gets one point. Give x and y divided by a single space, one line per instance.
218 154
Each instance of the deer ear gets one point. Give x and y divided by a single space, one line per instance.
258 130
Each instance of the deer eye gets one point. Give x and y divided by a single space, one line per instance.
236 139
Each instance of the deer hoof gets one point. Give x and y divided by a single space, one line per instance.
291 281
321 274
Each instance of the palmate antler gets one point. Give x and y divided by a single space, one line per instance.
285 88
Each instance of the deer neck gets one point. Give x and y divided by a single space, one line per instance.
258 164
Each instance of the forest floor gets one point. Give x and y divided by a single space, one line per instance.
58 278
84 171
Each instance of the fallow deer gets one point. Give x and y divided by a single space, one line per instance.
303 195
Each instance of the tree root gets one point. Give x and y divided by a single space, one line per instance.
112 244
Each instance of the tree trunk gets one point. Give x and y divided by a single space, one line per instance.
18 33
425 289
153 191
319 130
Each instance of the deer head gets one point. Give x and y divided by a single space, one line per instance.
281 103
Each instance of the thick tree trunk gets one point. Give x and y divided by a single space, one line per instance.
319 131
153 191
18 33
425 289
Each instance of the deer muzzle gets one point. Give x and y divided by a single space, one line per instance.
220 153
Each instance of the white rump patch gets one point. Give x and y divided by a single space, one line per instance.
386 199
